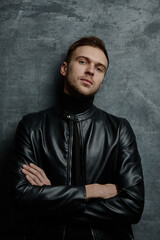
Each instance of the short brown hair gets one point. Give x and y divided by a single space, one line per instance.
87 41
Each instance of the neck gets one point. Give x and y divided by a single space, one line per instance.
76 105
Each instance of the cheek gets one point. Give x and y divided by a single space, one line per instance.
71 75
100 78
100 82
75 71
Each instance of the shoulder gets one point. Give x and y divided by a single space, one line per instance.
34 119
118 123
110 117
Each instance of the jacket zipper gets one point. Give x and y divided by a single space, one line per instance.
93 234
70 163
69 117
64 233
83 166
70 152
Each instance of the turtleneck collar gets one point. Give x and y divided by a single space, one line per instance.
76 105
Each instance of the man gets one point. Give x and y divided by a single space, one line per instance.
76 168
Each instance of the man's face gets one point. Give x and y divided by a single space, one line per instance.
85 72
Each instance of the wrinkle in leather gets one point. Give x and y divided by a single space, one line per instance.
110 155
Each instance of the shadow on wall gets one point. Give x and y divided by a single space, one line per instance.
13 223
57 83
10 221
55 89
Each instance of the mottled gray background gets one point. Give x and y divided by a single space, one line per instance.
34 36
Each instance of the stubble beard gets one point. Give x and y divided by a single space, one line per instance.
77 92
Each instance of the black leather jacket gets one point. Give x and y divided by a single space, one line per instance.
110 155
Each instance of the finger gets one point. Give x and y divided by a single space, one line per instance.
35 167
32 182
37 172
34 172
34 178
38 169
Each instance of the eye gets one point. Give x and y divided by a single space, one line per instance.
99 69
82 62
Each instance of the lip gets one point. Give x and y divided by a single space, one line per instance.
87 81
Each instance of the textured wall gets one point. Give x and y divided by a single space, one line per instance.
34 36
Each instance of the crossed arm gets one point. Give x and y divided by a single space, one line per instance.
108 203
36 176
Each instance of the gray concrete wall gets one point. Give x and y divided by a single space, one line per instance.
34 36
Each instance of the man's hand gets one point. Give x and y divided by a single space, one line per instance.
35 175
101 191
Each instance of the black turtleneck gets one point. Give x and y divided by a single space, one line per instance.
76 106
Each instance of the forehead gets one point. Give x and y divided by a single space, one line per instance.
94 54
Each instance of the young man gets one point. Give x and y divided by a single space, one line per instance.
76 169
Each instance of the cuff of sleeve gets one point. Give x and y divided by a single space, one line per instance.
80 200
85 198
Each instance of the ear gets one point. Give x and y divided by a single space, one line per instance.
63 70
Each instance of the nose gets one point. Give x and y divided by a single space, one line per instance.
90 69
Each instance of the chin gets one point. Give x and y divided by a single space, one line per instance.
85 94
82 92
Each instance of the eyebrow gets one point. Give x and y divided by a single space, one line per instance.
88 59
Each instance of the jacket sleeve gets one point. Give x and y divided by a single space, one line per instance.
39 199
127 206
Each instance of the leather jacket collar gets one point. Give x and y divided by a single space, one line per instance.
78 117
